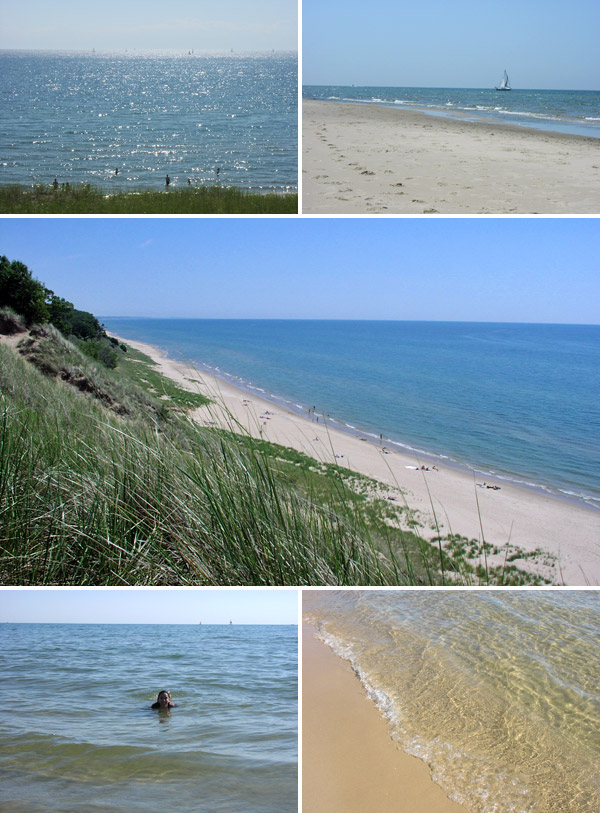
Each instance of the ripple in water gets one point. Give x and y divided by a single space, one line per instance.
497 691
79 117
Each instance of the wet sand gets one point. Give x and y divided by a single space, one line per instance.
567 534
349 762
369 160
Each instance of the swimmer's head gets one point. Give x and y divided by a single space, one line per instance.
164 699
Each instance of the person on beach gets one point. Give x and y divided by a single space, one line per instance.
167 181
163 701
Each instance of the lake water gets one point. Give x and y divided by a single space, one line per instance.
515 400
79 733
78 117
563 111
498 691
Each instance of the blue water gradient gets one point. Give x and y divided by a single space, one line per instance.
79 117
521 401
79 733
576 112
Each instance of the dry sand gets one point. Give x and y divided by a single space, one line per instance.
530 520
349 762
366 159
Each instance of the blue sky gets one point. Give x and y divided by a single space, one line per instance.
456 269
436 43
149 606
203 25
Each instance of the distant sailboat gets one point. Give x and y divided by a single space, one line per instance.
504 84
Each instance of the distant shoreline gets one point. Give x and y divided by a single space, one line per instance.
404 447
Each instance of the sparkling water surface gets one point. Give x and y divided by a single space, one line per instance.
79 117
519 401
79 733
576 112
498 691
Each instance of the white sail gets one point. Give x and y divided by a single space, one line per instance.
504 84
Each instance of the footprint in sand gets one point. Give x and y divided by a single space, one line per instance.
430 212
318 177
367 172
396 184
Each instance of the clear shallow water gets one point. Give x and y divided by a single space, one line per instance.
79 734
78 117
520 401
564 111
499 692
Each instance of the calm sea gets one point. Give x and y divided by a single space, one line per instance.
562 111
518 401
79 733
499 692
78 117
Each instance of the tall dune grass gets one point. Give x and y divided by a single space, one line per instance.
105 482
91 497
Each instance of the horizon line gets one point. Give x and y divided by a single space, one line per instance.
165 623
442 87
348 319
187 49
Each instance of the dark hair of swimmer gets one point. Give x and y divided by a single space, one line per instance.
163 701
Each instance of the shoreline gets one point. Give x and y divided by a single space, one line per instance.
349 761
371 159
470 116
563 533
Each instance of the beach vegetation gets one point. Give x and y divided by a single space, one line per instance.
87 199
91 494
476 560
106 478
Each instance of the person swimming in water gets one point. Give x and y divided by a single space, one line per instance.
163 701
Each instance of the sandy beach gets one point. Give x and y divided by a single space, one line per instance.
349 762
367 159
568 534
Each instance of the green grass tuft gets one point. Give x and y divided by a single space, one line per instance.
86 199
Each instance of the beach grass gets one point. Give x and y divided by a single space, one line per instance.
91 495
106 480
87 199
